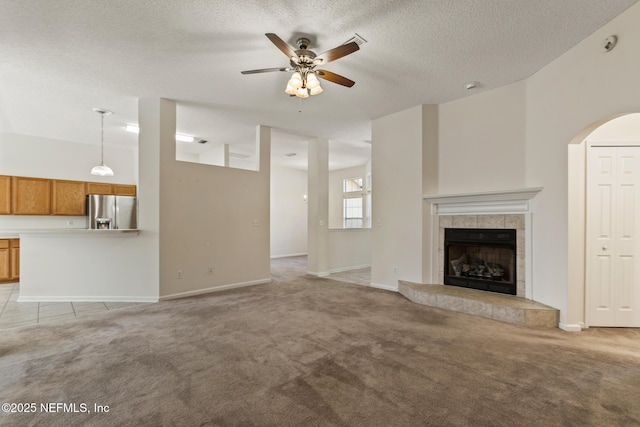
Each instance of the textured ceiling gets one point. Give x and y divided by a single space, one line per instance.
62 58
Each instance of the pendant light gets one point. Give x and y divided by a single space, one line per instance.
102 169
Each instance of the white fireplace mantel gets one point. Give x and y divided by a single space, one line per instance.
489 202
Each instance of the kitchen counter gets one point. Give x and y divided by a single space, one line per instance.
14 234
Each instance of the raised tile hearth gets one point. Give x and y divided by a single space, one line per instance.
500 307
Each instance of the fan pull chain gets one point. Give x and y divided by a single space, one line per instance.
299 105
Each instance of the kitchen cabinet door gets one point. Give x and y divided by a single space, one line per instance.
124 190
68 197
14 256
5 260
99 188
5 195
30 196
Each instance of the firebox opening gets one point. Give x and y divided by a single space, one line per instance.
482 259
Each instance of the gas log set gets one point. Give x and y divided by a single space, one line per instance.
482 259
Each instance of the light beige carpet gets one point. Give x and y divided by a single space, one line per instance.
313 352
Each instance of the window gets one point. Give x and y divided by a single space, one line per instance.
353 212
352 184
352 204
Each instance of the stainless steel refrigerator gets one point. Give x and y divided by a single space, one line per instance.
105 212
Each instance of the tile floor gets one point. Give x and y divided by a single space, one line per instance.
14 314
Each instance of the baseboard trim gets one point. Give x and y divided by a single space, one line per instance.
214 289
85 299
316 274
570 327
288 256
353 267
385 287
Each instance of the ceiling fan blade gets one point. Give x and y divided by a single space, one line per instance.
338 52
266 70
335 78
282 45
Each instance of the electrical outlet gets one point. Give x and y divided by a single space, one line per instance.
178 274
395 269
210 271
70 223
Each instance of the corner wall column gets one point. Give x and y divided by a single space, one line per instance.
156 146
318 208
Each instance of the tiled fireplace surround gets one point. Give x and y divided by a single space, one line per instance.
508 209
495 221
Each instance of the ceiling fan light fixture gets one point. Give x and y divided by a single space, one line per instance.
304 79
316 90
312 81
302 92
296 80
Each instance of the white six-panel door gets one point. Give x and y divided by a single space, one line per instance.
613 244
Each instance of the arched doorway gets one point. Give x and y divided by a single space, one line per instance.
622 130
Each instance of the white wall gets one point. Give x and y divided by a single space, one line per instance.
396 233
620 130
217 156
482 141
24 155
336 178
213 217
318 207
288 211
187 157
349 249
582 87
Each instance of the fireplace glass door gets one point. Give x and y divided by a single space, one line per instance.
482 259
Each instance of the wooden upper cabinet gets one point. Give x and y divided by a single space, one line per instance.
20 195
117 189
99 188
30 196
68 197
5 195
124 190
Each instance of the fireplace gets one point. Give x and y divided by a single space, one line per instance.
481 258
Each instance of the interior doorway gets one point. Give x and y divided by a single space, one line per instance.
604 284
612 244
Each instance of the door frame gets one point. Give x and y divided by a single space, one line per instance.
590 145
576 199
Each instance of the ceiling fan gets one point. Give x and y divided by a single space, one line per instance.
303 62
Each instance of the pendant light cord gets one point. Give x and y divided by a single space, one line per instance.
102 138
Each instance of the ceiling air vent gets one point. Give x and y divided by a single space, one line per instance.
356 38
